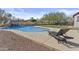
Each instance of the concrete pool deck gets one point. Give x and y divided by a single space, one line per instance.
46 39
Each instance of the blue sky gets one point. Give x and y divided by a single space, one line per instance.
26 13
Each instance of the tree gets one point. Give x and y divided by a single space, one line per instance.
55 17
2 12
32 19
8 15
4 15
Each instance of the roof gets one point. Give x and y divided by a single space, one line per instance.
75 14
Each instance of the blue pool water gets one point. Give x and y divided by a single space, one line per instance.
27 28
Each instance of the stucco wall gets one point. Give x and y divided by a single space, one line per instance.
76 24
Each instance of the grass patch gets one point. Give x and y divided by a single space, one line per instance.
57 26
60 26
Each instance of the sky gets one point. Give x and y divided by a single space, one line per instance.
26 13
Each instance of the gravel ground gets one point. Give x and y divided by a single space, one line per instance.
10 41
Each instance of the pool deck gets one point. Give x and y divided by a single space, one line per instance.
45 39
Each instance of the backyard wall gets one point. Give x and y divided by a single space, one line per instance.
76 24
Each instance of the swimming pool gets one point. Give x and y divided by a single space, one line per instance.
27 28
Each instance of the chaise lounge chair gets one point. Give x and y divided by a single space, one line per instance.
61 35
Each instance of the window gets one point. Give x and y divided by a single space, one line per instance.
78 19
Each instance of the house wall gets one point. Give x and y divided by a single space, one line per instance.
76 24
